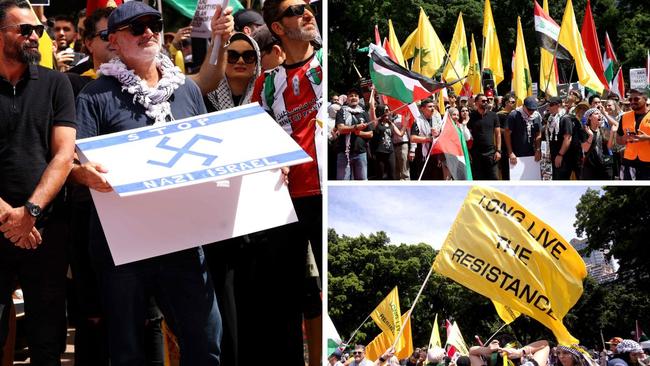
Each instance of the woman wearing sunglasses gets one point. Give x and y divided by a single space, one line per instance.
241 69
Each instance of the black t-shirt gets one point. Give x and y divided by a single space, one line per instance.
40 100
357 143
482 129
556 138
383 137
522 140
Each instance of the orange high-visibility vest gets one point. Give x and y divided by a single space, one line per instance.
640 149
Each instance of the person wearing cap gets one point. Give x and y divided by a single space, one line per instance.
634 133
523 131
486 148
628 353
37 134
613 343
354 128
180 283
293 94
271 53
246 21
509 104
558 132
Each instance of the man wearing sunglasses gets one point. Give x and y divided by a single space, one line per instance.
37 132
292 94
179 282
634 133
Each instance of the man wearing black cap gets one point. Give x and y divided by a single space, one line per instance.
37 133
119 101
558 132
634 133
271 52
523 131
246 21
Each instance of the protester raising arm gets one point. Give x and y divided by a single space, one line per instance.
210 75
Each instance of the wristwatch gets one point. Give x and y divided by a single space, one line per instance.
33 209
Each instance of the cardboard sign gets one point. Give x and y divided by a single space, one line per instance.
194 150
638 78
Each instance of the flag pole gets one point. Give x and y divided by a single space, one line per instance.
408 317
557 44
495 333
356 330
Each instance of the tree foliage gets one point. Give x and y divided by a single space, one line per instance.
362 270
352 27
617 220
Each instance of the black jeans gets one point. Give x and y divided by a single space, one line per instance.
41 274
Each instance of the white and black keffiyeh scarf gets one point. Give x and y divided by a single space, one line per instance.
154 100
529 118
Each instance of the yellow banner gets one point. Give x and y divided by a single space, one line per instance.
424 46
522 81
387 315
505 313
501 250
394 44
547 68
381 343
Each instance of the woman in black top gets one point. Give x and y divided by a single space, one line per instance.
596 147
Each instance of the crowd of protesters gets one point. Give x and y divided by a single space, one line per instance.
506 350
112 73
576 137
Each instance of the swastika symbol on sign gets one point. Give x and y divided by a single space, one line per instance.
180 151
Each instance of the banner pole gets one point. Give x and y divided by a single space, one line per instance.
495 333
408 317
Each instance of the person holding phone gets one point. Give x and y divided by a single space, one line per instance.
634 133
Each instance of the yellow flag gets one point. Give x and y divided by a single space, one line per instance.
473 82
394 44
381 343
501 250
505 313
387 315
458 65
570 39
523 84
441 100
435 341
547 68
424 46
491 50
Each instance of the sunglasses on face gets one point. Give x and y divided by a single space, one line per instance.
102 34
635 99
357 353
26 30
295 10
249 57
138 28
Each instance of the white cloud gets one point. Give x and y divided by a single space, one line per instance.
412 214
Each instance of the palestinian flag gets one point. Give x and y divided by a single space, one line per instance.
451 143
608 59
333 338
547 31
395 81
618 84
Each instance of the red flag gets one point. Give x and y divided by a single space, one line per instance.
592 47
92 5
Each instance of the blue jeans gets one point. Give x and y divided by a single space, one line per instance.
358 167
183 290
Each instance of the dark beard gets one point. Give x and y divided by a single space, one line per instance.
23 53
30 56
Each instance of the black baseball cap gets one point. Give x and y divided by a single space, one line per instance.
262 35
246 17
128 12
554 100
531 103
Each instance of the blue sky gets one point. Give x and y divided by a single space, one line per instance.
414 214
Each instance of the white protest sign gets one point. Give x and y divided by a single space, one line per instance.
525 169
194 150
535 89
203 15
638 78
148 225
